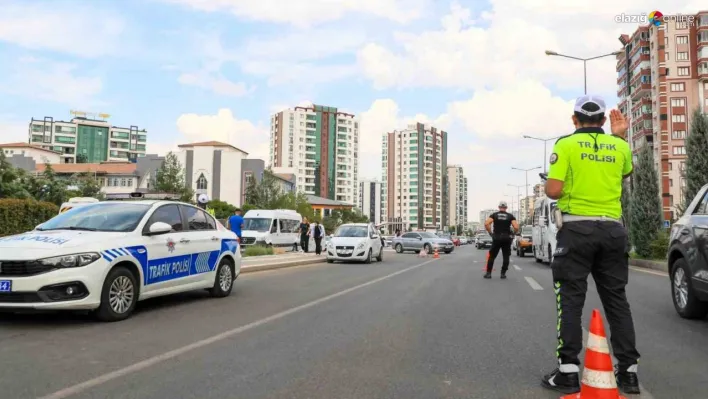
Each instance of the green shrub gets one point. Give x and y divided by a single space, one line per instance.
660 245
257 250
22 215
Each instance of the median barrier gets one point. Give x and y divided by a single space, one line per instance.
661 266
272 262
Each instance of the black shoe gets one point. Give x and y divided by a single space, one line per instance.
488 275
503 275
567 383
627 381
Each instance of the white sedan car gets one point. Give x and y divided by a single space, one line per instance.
107 256
355 242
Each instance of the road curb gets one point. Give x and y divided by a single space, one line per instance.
650 264
281 265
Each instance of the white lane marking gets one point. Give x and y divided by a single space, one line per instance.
533 283
102 379
648 271
517 267
644 393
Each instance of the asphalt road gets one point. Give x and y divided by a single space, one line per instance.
404 328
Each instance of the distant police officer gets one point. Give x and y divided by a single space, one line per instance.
502 236
586 173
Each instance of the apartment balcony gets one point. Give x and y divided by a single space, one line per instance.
641 88
702 25
703 71
644 101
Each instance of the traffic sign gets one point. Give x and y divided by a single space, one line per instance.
667 224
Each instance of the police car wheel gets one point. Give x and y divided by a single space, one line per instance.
380 257
118 296
368 257
223 281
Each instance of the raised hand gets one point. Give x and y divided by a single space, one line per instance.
618 124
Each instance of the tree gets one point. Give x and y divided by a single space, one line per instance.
222 210
645 206
265 194
87 185
626 204
170 178
11 180
696 173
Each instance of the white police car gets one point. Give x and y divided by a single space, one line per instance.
107 256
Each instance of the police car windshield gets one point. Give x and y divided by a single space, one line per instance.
351 231
103 216
256 224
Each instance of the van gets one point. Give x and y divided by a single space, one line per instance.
271 227
544 230
75 203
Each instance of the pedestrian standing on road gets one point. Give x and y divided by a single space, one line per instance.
317 233
304 235
235 223
502 236
585 176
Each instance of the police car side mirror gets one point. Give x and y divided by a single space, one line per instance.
158 228
38 226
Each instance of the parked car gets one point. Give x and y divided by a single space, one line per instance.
355 242
464 240
688 259
105 257
523 243
483 241
417 240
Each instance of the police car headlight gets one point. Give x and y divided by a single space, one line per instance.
361 245
330 245
76 260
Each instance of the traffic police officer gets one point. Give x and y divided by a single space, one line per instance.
585 176
502 237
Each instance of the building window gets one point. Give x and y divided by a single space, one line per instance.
671 182
202 182
681 39
678 134
678 102
678 118
678 87
684 71
680 150
682 56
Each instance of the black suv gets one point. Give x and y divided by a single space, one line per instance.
688 259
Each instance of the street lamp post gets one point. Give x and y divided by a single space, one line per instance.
518 193
585 62
545 142
527 176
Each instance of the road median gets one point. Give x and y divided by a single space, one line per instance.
253 264
657 265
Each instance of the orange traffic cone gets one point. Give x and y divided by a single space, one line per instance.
436 254
598 374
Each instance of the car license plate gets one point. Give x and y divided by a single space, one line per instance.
5 285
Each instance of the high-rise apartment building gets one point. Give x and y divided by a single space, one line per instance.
88 138
320 146
370 200
415 186
663 78
457 197
484 214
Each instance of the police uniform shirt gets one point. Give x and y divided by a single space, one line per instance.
502 222
592 165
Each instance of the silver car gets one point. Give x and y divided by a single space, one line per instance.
419 240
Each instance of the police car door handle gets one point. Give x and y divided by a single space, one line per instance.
184 241
215 238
